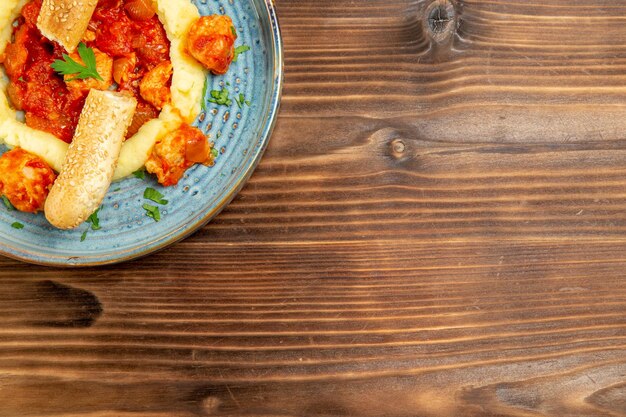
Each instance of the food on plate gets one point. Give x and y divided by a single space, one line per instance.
25 180
60 54
211 41
65 21
178 151
91 158
51 84
153 87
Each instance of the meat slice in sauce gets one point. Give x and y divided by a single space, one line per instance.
25 179
154 87
48 103
177 152
151 43
16 54
114 30
211 41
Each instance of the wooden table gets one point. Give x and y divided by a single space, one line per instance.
438 228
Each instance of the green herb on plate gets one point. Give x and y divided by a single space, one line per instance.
204 89
153 195
140 174
241 100
240 50
94 221
68 66
7 203
221 98
17 225
152 212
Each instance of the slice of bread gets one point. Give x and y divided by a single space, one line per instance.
65 21
91 159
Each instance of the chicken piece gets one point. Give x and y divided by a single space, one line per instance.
16 54
15 93
211 41
30 12
176 152
152 45
104 65
154 86
25 179
114 35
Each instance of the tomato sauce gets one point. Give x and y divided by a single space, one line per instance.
43 95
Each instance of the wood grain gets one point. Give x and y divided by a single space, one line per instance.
437 229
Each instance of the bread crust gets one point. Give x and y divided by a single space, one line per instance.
91 159
65 21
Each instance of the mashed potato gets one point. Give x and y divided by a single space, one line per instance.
187 85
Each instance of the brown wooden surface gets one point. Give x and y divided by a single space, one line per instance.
437 229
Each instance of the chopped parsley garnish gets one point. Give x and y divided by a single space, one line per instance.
206 85
241 100
94 221
232 29
214 152
95 224
221 98
17 225
7 203
153 195
140 174
240 50
152 212
68 66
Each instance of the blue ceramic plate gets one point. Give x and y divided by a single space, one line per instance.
241 135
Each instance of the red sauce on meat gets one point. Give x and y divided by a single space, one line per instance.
43 95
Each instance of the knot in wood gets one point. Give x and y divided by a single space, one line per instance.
440 19
398 147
